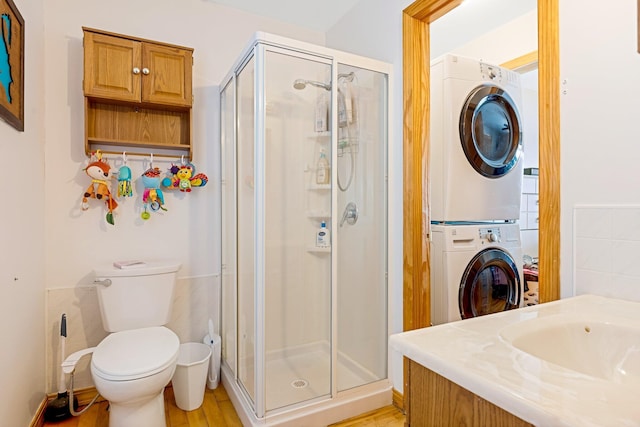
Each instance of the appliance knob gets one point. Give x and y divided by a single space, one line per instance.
493 237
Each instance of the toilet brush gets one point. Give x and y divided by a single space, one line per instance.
58 409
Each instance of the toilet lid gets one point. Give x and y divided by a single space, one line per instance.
137 353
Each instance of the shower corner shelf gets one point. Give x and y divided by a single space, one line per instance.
324 134
319 187
318 215
317 250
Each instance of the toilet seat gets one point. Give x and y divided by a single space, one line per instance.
134 354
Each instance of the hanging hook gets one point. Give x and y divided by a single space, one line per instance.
124 157
182 160
98 155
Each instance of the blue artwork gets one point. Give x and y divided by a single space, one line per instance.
5 66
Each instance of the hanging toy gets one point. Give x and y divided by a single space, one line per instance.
124 179
183 177
152 197
100 173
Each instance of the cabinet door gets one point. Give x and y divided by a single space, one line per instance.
111 67
166 75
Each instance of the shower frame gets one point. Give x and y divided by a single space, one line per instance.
364 397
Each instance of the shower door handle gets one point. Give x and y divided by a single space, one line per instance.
350 214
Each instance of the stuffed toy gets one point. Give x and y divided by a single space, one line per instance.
152 197
124 182
100 173
183 178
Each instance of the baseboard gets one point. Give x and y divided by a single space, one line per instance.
397 399
84 396
38 418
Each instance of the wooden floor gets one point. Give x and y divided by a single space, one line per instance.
217 410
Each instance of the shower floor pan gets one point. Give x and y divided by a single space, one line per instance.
298 386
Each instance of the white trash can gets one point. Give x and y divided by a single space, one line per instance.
214 364
191 375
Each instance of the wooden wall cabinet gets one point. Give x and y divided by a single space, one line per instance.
138 94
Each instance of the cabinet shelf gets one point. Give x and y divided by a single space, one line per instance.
131 127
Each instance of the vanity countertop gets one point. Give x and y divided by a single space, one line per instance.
473 354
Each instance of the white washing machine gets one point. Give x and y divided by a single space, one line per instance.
476 269
476 141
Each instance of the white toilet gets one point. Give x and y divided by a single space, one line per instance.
132 365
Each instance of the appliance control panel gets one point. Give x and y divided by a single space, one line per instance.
490 235
490 72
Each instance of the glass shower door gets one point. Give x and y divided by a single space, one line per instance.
362 224
297 273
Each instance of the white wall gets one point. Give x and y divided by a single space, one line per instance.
75 241
22 225
599 69
491 44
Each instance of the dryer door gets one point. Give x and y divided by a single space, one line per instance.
490 284
490 131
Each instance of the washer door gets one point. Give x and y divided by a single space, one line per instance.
490 284
490 131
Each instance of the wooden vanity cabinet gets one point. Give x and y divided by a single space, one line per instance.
138 93
432 400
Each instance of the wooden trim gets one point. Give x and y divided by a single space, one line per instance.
38 418
549 134
526 62
430 10
415 123
397 399
84 395
416 298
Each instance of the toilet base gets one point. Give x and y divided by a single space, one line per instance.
134 414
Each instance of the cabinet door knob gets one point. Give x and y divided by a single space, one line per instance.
136 70
145 71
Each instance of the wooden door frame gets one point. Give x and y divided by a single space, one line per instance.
415 45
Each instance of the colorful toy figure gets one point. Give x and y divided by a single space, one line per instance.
152 197
124 182
100 173
184 179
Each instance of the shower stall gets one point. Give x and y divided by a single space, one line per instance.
305 316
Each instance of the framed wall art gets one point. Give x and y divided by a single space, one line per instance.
11 65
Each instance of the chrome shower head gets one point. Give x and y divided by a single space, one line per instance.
347 76
301 84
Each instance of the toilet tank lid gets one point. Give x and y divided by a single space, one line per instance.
139 268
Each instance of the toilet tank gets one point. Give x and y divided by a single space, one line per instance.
136 297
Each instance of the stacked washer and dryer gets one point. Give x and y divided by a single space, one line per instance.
476 180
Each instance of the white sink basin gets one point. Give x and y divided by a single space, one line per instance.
595 346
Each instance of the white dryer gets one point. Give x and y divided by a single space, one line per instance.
476 269
476 141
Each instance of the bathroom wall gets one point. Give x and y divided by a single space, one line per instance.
74 241
606 246
22 225
599 69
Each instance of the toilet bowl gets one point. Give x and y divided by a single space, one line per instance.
133 364
131 369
